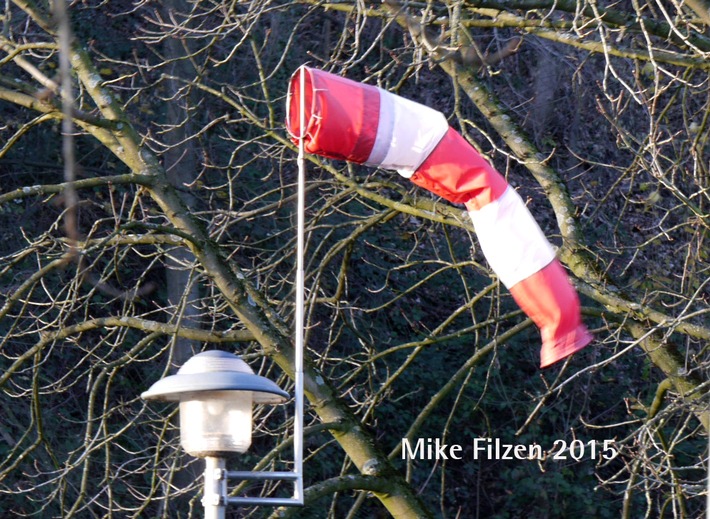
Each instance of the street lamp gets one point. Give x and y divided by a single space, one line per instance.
216 391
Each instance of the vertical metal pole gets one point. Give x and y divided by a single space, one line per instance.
300 322
215 499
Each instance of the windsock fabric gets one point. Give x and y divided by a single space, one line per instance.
549 299
368 125
362 123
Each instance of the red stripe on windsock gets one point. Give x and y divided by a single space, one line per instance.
342 115
458 173
549 299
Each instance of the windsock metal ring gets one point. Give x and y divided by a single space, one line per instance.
364 124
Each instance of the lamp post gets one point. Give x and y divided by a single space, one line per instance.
216 391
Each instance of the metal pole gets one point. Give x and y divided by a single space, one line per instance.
300 321
215 498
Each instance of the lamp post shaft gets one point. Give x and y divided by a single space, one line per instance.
215 498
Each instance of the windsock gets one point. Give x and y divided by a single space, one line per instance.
368 125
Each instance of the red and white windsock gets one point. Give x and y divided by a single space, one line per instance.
367 125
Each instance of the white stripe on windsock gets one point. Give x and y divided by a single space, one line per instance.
407 133
512 242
